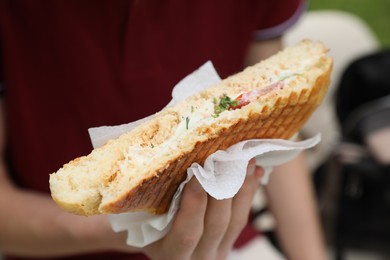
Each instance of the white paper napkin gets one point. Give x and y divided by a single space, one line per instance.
222 174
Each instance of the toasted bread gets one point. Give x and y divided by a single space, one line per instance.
141 170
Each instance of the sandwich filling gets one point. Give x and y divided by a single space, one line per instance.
204 113
211 110
245 98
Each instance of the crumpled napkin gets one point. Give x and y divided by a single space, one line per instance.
222 174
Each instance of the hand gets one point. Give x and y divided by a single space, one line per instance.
206 228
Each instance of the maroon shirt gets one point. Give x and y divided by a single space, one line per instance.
67 66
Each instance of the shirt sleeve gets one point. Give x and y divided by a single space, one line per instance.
2 89
280 16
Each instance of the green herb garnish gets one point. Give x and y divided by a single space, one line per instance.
225 103
187 122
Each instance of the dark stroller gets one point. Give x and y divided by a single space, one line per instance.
354 183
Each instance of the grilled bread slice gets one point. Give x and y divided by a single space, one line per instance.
141 170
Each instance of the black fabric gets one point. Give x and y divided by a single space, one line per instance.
376 121
352 186
364 207
364 81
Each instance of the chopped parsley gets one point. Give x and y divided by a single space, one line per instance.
187 122
225 103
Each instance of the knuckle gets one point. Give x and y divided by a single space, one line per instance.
238 224
217 228
188 241
223 254
195 197
246 192
249 186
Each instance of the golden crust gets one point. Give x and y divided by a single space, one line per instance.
280 121
279 114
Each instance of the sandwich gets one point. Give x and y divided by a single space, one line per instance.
142 169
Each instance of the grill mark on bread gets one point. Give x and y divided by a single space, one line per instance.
202 150
253 117
190 158
235 129
160 193
299 107
134 188
273 122
247 126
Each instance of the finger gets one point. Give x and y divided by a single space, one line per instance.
216 222
241 205
188 225
251 166
253 169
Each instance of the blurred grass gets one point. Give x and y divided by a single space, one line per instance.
376 13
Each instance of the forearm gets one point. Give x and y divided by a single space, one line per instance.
31 224
291 199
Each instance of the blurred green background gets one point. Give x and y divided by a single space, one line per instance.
376 13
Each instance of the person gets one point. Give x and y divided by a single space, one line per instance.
67 66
